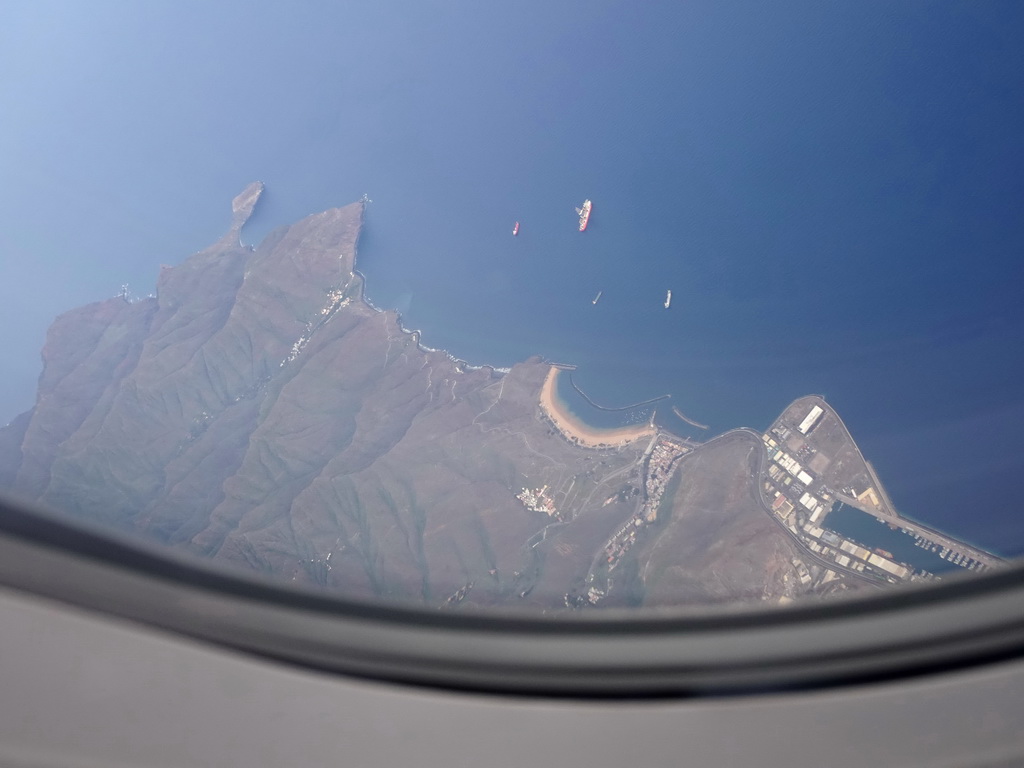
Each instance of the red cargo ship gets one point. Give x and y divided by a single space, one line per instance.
584 213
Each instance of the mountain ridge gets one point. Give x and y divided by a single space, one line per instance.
258 411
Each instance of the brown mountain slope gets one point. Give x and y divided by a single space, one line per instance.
259 412
717 544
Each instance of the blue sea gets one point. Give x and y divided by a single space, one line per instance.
833 192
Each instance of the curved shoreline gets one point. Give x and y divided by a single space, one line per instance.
570 426
576 431
417 335
461 365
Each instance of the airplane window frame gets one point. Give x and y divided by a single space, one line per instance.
907 632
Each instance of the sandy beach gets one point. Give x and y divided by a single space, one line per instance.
575 430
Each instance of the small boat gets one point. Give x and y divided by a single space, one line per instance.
668 299
597 297
515 229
